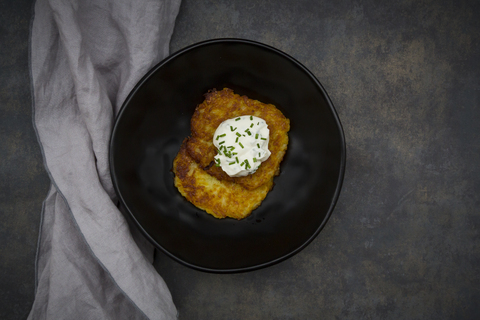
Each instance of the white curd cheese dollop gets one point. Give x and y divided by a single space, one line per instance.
242 145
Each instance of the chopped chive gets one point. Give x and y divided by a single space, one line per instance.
221 142
263 138
238 134
237 119
234 153
249 133
241 145
251 118
217 137
241 164
256 136
251 126
254 159
259 155
232 128
258 123
231 163
236 140
236 158
231 147
258 146
223 135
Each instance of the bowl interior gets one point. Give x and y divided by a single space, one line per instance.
156 118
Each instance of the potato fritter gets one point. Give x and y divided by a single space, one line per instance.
225 104
219 198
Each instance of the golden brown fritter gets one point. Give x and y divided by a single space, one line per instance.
225 104
219 198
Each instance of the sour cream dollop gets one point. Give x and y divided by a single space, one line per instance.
242 144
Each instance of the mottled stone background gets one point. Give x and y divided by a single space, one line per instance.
403 242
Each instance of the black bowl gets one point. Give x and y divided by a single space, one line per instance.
155 119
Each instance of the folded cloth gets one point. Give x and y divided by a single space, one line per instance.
85 58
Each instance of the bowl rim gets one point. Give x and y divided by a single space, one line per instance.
329 103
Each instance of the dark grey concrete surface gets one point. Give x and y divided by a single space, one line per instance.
404 239
23 181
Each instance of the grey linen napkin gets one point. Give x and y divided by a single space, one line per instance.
85 58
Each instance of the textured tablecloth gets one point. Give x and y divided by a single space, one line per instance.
85 58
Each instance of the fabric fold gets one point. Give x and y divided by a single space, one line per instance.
85 57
